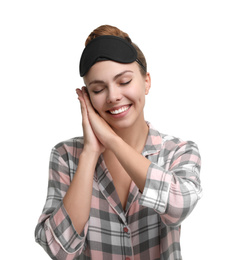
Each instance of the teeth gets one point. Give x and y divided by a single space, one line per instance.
122 109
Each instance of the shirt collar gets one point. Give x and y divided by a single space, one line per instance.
154 141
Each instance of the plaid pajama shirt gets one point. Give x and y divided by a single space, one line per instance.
148 228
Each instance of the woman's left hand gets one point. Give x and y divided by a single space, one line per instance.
100 127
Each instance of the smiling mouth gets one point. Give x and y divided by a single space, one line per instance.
120 110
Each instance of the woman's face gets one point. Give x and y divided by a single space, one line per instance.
117 92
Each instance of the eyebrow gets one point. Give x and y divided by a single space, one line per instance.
114 78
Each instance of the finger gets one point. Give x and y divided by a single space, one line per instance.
87 101
82 105
79 93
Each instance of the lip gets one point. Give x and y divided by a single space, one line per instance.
122 114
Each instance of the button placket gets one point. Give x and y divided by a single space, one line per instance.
127 242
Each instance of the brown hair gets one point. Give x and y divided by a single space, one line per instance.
111 30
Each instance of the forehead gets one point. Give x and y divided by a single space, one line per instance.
106 70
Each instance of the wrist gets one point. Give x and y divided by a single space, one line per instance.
114 143
90 154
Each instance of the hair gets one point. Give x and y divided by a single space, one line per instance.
111 30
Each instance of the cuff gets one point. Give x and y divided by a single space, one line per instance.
156 191
64 231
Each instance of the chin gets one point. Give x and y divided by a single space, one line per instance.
123 124
119 125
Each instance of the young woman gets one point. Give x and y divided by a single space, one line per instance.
122 190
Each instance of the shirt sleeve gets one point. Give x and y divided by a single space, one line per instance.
55 231
173 186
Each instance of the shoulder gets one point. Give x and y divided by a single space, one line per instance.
75 142
169 142
69 148
172 151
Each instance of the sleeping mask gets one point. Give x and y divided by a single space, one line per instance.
107 47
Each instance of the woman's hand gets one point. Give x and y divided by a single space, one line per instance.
102 131
135 164
91 142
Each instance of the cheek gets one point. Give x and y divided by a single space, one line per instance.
97 103
94 102
137 95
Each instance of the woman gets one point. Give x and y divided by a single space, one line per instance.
122 190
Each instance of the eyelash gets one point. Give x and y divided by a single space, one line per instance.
122 84
126 83
98 91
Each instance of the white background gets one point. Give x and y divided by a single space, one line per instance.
195 54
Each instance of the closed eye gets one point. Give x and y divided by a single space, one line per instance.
125 83
97 91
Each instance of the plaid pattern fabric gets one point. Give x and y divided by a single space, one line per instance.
148 228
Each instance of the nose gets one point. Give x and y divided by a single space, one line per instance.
114 94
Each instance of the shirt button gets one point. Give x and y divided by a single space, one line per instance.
126 231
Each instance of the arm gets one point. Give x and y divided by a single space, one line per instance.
77 200
63 226
172 189
173 185
135 164
55 231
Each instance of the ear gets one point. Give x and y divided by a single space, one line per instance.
147 83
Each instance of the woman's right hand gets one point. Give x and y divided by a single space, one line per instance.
91 143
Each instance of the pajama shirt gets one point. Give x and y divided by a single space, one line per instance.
149 226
